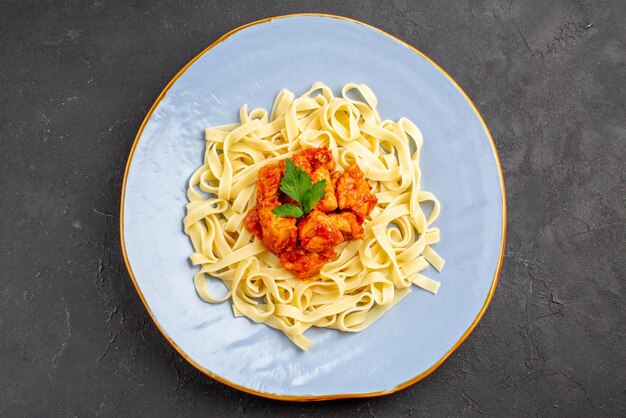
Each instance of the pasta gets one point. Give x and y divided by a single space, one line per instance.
369 276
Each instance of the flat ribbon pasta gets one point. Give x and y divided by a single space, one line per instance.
369 276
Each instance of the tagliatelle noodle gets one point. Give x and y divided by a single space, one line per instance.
369 276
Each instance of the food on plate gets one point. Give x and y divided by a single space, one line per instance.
301 213
311 215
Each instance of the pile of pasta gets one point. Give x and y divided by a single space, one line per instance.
369 276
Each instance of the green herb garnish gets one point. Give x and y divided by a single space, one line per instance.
297 184
287 210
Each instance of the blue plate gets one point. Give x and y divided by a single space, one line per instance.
459 164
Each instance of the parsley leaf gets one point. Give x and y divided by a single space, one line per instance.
313 195
287 210
297 184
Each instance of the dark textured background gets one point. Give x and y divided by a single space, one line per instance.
76 80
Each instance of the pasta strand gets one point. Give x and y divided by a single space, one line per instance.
369 276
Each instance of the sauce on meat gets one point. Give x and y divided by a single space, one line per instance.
252 223
304 245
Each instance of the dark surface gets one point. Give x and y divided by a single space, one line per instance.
77 79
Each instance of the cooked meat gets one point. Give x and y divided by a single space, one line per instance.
328 203
353 192
268 185
303 263
305 245
348 224
253 223
334 177
312 158
317 233
318 163
278 234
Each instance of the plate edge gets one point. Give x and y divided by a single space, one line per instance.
306 398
